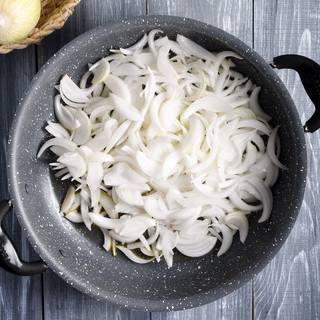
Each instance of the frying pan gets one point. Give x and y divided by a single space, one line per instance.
76 254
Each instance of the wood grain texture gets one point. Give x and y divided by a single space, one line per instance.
234 16
60 300
20 297
89 14
289 288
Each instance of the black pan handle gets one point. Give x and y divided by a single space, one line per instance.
9 259
309 72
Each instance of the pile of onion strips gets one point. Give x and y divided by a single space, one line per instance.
166 147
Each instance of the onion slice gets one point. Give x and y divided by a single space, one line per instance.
132 256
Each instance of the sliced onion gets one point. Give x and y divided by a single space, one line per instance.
146 252
123 239
84 207
126 110
100 141
68 200
122 207
136 226
75 163
154 113
150 89
132 256
163 64
64 115
198 249
255 106
139 45
265 196
70 91
170 164
194 136
239 221
128 69
57 130
155 206
74 216
242 205
60 142
118 87
108 205
166 149
130 196
100 157
122 174
211 102
151 44
104 222
101 71
227 236
168 114
167 241
147 165
94 179
81 134
107 243
147 242
192 48
117 135
271 148
84 80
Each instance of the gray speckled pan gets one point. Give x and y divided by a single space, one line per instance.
76 254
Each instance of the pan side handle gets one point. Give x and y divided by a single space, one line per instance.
9 258
309 72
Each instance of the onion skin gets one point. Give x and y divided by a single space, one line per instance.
17 19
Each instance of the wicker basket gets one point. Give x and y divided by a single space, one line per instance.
54 14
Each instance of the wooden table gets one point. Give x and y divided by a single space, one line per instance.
289 287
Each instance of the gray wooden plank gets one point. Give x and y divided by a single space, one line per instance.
20 297
288 288
234 16
89 14
64 302
60 300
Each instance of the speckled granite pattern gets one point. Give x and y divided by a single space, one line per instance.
76 254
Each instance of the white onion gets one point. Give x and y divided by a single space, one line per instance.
192 48
118 87
60 142
17 19
68 200
239 221
81 134
57 130
74 217
198 249
271 148
132 256
71 94
94 179
84 208
101 71
166 148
